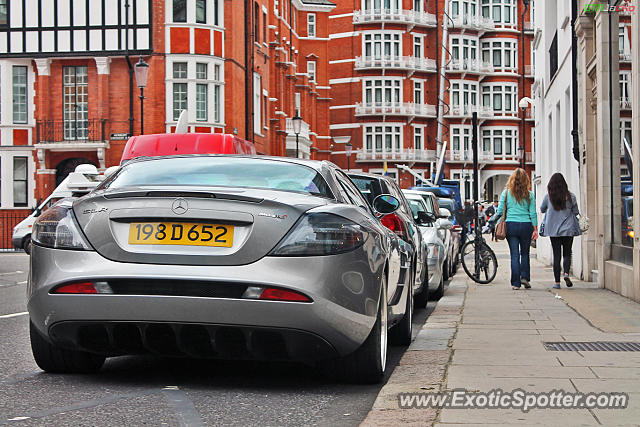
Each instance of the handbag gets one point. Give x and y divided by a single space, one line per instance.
583 222
542 226
501 227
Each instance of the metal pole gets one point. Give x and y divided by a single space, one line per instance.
474 147
524 112
348 163
141 111
297 156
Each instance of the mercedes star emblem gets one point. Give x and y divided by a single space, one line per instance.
179 206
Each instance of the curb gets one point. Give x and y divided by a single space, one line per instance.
424 365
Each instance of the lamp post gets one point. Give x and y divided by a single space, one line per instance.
522 146
523 104
296 121
348 149
142 73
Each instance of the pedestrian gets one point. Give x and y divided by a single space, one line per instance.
482 216
522 225
492 219
560 224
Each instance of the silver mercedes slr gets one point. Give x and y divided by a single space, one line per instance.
228 257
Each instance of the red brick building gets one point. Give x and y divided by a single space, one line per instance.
68 94
384 68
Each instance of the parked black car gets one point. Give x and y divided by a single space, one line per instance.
403 224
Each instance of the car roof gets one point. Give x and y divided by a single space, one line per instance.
418 192
370 175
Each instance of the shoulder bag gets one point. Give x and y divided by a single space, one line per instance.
501 228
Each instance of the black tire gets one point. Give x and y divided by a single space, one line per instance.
368 363
51 358
439 292
485 275
401 334
445 270
26 244
421 299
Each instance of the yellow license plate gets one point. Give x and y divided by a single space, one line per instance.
180 233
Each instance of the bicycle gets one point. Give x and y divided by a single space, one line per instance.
478 259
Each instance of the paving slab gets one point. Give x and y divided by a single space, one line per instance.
545 417
405 417
459 372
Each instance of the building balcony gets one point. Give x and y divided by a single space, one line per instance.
411 63
304 129
625 103
71 133
473 22
406 155
396 109
468 110
408 17
303 144
625 56
474 66
484 157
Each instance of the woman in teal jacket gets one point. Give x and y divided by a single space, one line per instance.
522 225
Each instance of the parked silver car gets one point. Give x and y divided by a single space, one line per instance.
218 257
434 235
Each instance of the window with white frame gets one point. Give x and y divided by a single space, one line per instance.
311 70
417 5
418 42
461 138
503 12
383 138
311 24
501 54
378 5
625 86
465 48
20 181
501 97
202 92
501 143
196 85
418 137
464 8
625 133
464 93
382 45
382 91
624 47
199 10
257 101
418 86
180 97
19 86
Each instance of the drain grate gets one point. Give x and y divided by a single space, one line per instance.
592 346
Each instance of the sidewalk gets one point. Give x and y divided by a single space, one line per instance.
483 337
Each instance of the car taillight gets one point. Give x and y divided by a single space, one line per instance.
77 288
274 294
394 223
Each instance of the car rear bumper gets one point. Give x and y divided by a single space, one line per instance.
344 291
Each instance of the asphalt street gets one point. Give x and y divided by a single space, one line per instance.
153 391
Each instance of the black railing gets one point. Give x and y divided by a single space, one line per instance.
91 130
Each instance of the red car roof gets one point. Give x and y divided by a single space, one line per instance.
168 144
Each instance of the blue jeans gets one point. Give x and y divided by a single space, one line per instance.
519 239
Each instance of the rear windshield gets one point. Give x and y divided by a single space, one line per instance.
221 172
416 206
447 204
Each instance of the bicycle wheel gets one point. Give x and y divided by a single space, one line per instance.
479 262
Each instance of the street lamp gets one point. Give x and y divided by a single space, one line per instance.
142 73
296 121
348 149
523 104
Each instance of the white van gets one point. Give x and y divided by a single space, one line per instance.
79 182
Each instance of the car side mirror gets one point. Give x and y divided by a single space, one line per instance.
423 218
444 213
385 204
444 224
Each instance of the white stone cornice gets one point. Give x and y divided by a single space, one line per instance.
103 64
44 66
